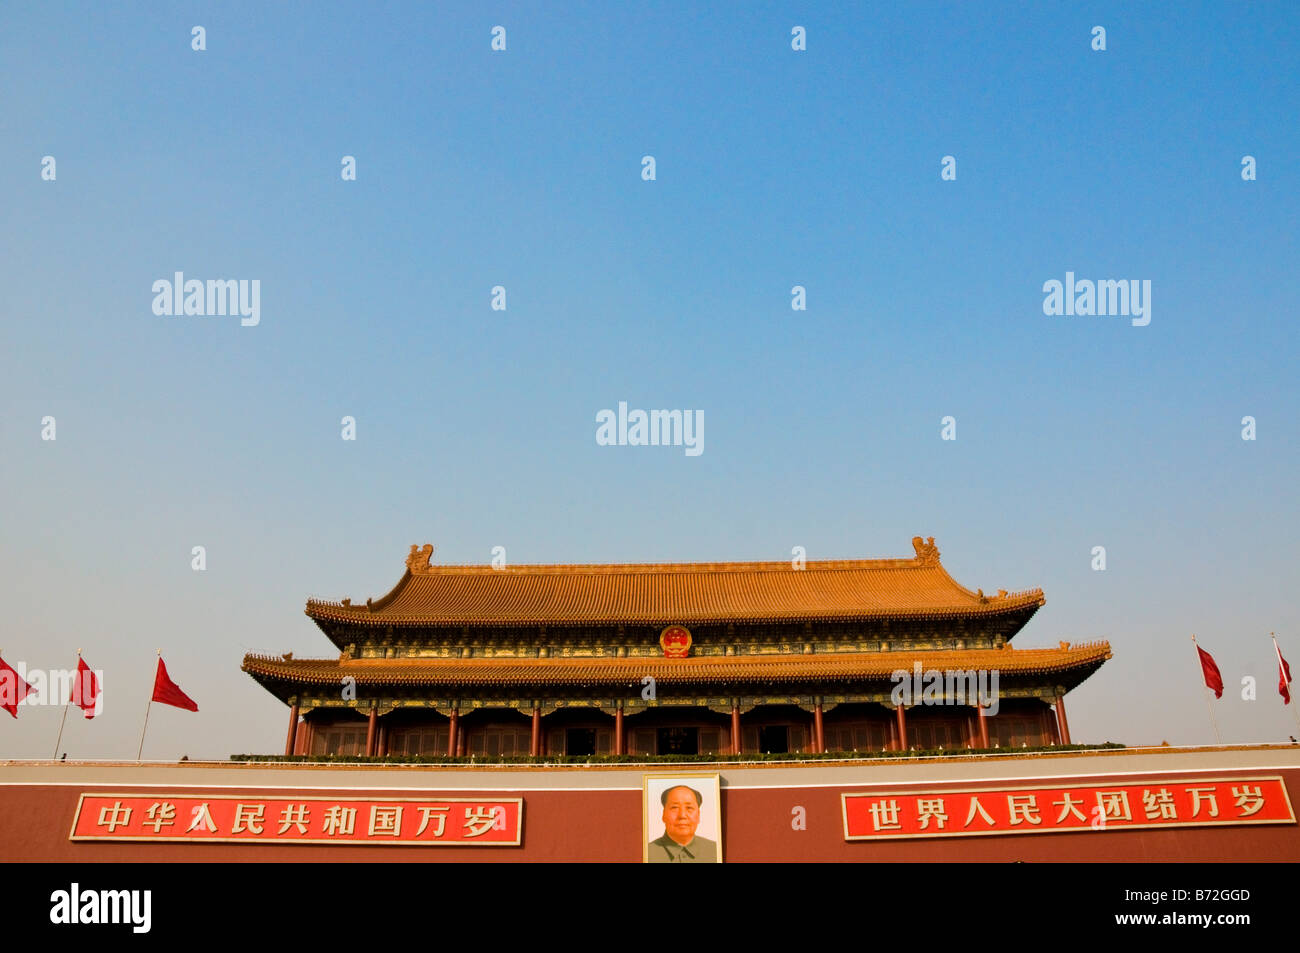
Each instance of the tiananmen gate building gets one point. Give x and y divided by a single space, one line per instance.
692 658
490 666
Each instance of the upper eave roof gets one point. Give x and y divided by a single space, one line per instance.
667 593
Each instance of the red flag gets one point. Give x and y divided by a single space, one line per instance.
13 688
1283 678
168 692
1213 679
85 688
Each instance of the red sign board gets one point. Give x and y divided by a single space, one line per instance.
259 819
1199 802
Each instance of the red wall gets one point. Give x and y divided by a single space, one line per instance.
605 825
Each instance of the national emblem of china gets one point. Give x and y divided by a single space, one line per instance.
675 641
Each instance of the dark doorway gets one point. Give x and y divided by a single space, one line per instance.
679 741
774 739
580 741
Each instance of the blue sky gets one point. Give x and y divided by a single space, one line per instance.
522 168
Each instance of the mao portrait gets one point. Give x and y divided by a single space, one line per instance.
682 819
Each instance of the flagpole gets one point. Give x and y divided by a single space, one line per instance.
139 753
145 728
64 720
1281 670
1208 707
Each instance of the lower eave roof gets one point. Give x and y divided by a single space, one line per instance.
1081 660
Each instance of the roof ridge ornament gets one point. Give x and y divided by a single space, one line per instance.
927 554
417 563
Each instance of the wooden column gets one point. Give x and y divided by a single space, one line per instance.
451 733
618 729
984 726
819 735
902 727
1060 719
736 744
383 741
293 730
535 747
309 737
371 731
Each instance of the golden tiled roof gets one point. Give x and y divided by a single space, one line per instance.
686 593
826 667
